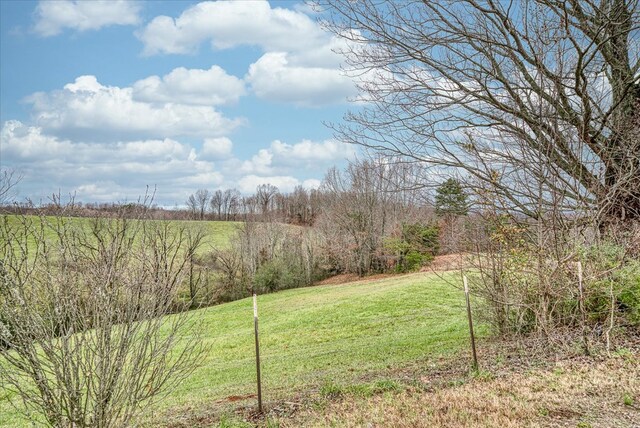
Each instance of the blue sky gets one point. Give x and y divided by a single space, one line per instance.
101 99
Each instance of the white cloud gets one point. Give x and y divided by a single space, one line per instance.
260 163
230 24
307 154
284 183
311 183
190 86
52 17
88 110
121 170
307 150
248 184
301 62
111 171
272 77
29 143
216 148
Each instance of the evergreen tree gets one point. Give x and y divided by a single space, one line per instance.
451 200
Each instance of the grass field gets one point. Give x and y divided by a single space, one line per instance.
217 233
315 339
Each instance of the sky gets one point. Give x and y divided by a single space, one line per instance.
102 99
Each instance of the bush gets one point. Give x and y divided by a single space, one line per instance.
615 287
416 246
278 274
529 288
269 256
83 309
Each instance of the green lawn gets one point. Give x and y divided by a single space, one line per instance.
318 335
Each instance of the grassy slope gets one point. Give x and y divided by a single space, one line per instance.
316 335
218 233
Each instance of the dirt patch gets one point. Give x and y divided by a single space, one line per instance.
351 277
442 263
234 398
447 262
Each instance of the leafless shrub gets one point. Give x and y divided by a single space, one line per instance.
83 313
269 256
8 181
365 203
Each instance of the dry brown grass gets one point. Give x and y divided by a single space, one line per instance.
448 262
570 393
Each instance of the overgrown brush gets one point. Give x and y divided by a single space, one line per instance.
84 317
587 283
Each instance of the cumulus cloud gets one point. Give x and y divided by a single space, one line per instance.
260 163
248 184
52 17
327 151
229 24
300 64
216 148
272 77
190 86
305 154
284 183
87 109
109 170
119 170
312 183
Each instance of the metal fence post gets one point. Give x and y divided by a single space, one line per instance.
473 339
255 328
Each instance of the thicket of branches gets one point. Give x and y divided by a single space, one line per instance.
370 220
83 316
536 102
268 203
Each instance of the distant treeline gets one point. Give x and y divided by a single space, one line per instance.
102 209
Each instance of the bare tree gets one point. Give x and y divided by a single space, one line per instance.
217 203
198 203
83 310
362 205
265 195
8 180
487 86
230 203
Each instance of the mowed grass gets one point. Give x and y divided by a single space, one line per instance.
314 336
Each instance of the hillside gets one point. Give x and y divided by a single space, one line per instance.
385 352
313 338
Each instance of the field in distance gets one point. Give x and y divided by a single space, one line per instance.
217 234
